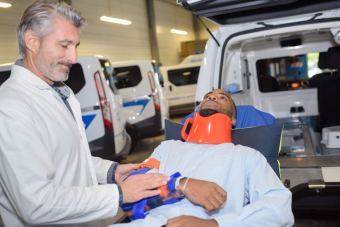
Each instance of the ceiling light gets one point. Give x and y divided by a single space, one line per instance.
178 32
5 5
115 20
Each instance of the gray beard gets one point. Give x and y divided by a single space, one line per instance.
50 70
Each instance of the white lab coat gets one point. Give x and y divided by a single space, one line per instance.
47 173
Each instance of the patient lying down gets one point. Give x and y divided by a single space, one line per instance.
221 184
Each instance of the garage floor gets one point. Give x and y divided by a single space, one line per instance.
309 218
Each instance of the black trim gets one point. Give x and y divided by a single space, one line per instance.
235 12
135 137
104 147
222 7
187 130
150 127
124 153
264 29
182 109
188 6
304 197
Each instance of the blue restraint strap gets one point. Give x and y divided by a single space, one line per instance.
138 208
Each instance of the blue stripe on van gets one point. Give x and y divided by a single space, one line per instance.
143 102
88 119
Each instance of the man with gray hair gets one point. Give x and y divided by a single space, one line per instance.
47 173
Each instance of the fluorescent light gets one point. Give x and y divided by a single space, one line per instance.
7 64
178 32
115 20
5 5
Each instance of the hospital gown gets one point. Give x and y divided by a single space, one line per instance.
255 195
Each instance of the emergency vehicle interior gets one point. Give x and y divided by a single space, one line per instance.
295 77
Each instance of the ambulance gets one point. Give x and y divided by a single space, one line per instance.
282 57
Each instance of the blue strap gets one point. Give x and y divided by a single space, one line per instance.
171 183
140 171
171 187
138 209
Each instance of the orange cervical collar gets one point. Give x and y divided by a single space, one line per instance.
215 129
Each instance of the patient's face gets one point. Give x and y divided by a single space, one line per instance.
220 101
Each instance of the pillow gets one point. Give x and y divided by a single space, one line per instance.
247 116
266 139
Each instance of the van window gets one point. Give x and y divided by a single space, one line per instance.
76 78
110 80
287 73
185 76
4 76
129 76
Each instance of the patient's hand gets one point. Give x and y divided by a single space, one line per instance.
186 221
205 193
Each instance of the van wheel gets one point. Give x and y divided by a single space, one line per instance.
133 135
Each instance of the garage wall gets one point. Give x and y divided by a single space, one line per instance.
170 16
114 41
9 19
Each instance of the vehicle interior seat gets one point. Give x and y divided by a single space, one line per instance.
329 91
322 64
268 84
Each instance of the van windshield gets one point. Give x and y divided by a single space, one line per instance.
287 73
127 76
76 78
110 80
184 76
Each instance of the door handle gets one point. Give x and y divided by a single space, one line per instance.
170 87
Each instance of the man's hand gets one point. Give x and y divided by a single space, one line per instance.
189 221
141 186
123 171
205 193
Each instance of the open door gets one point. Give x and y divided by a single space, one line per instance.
228 11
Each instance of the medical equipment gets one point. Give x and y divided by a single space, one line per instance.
215 129
169 193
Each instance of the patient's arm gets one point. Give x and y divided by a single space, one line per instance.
270 202
205 193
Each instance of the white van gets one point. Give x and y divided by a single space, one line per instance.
101 106
145 104
180 84
284 58
5 72
192 58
